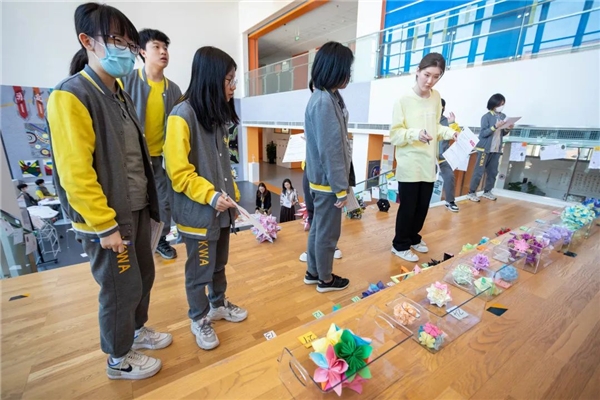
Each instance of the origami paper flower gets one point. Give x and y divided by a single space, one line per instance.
480 261
509 273
354 354
303 213
355 384
426 339
462 274
577 216
521 246
438 294
432 330
333 337
405 313
269 222
468 247
330 371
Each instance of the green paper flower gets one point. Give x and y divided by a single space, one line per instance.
354 355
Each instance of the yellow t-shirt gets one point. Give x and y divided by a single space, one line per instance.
155 118
416 161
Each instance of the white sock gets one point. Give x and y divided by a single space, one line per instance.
113 361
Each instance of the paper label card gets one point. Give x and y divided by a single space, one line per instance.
18 236
270 335
307 338
518 152
458 313
375 192
595 160
318 314
355 299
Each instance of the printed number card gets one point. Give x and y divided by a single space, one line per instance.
270 335
318 314
307 338
458 313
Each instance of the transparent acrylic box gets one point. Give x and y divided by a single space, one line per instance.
296 369
534 259
476 284
458 316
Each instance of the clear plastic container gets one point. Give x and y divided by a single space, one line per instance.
296 369
456 317
481 282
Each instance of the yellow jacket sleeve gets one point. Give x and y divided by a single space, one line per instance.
40 194
445 132
183 175
400 135
73 144
238 196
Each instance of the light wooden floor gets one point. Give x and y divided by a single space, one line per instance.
50 345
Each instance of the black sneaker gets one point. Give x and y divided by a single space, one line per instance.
165 249
310 279
337 283
452 206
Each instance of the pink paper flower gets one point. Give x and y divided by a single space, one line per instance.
330 371
356 384
521 246
432 330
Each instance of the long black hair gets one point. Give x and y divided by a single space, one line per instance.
262 195
94 20
206 92
332 67
283 185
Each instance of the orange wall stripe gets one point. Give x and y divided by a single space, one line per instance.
302 9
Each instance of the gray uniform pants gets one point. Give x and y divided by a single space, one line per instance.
448 176
125 281
324 234
205 266
488 163
164 191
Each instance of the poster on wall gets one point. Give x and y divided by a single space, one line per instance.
48 166
30 168
24 131
233 145
39 139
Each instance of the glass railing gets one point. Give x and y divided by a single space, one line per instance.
473 34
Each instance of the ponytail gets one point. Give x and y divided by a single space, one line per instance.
79 61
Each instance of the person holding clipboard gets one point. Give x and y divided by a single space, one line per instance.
489 148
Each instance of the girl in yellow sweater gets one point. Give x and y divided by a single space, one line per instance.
415 132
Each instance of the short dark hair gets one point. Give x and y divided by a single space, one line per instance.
433 60
95 19
39 181
206 92
332 67
150 35
495 101
443 103
21 186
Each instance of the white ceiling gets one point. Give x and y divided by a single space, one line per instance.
335 20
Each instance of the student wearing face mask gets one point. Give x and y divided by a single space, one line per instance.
489 148
154 96
103 177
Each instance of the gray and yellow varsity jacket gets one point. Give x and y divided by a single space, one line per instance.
197 163
85 121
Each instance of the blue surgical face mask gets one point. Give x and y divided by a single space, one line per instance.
116 62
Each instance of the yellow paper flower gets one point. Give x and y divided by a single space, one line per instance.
427 340
333 337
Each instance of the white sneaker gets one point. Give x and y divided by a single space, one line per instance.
147 338
338 254
229 312
421 247
303 257
473 197
133 366
489 195
407 255
206 337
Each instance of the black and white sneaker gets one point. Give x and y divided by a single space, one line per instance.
133 366
452 206
337 283
310 279
165 249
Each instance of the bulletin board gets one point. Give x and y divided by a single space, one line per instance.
25 132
